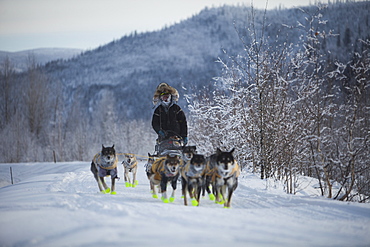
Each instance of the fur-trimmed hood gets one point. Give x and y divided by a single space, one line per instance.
165 88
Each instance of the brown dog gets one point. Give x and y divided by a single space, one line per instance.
130 166
165 170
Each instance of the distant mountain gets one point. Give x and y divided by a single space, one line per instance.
42 56
127 71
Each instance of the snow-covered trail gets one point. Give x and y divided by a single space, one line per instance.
58 205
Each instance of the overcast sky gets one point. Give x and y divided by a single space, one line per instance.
86 24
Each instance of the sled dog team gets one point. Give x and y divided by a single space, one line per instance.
198 174
176 160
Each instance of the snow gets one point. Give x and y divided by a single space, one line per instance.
59 205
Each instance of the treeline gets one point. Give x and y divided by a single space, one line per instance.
291 112
35 127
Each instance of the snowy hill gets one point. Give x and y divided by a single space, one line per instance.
58 205
42 56
185 54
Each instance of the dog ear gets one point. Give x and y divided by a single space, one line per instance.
232 150
102 146
113 146
218 152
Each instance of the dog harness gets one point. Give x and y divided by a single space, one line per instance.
131 165
157 168
108 172
235 171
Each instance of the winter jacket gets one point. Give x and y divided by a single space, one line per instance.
171 121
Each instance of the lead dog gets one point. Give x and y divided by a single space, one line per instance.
192 178
130 166
163 171
105 164
225 176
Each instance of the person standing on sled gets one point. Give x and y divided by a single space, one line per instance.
168 118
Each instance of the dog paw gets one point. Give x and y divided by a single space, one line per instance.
194 202
128 184
172 199
113 193
107 191
220 202
211 197
136 183
165 200
155 196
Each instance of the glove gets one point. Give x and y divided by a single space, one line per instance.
161 134
185 139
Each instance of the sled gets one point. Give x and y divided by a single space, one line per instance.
169 145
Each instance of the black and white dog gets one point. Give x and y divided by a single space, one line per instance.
224 176
192 178
105 164
130 166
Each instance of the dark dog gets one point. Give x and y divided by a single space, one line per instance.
188 152
225 176
165 170
148 168
105 164
149 163
130 165
192 178
209 171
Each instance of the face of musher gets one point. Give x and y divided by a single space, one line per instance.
166 97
